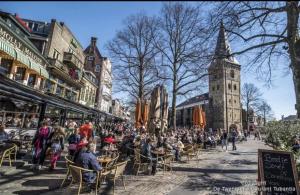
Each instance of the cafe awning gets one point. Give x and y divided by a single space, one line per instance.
7 49
19 56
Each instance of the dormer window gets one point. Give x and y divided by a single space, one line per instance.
90 58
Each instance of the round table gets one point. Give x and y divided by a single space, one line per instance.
104 160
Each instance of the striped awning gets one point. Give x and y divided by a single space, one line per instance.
8 49
19 56
22 58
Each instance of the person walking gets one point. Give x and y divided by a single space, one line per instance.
224 139
234 135
57 145
40 144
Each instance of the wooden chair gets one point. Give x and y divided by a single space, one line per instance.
76 173
167 162
8 153
117 172
113 162
68 163
138 162
187 151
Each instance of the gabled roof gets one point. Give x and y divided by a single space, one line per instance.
195 99
96 51
223 50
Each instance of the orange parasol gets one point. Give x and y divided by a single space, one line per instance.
138 114
145 113
204 118
200 116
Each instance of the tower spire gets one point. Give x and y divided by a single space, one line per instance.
223 50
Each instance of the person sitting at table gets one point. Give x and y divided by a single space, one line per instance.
88 160
171 148
146 151
3 134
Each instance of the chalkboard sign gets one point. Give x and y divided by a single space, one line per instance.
277 173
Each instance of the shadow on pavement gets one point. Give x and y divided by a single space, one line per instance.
201 170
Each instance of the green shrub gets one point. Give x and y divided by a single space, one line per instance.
280 134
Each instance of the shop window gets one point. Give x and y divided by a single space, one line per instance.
59 90
42 83
18 114
19 76
5 66
49 86
31 80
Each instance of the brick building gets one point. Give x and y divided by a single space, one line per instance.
101 67
223 102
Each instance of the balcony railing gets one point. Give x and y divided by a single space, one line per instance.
71 59
59 65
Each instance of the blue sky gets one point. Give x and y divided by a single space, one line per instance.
103 19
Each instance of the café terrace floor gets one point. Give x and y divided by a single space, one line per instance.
215 172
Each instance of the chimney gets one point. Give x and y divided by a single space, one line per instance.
93 41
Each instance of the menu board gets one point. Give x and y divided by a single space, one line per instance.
277 173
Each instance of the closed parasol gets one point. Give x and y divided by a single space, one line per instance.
138 114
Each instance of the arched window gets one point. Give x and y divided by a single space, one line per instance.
229 86
232 73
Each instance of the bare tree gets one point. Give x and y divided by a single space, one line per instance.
265 110
251 98
182 45
269 31
133 54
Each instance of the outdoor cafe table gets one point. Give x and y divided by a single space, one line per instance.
158 153
103 160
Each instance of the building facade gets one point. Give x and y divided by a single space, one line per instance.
223 102
19 58
101 67
88 92
65 55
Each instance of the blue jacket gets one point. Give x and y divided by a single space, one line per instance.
88 160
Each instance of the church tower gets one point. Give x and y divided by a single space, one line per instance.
224 86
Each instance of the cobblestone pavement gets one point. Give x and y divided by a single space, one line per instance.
214 172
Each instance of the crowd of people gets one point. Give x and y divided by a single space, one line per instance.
85 142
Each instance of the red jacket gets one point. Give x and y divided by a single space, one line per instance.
109 140
86 131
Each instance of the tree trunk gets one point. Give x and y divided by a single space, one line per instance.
174 109
174 100
264 117
294 48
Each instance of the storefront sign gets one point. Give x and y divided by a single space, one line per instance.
19 45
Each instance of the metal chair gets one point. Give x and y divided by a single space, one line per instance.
68 163
117 172
138 162
7 154
167 162
76 173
